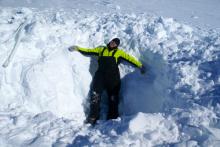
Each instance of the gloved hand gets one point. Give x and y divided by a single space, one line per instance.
143 69
73 48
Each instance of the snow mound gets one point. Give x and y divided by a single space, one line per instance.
157 128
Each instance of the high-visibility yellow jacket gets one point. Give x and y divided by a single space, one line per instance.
116 53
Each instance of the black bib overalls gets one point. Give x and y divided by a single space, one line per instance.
107 77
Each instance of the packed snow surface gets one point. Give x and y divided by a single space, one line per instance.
44 88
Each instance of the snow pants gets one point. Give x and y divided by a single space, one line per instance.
109 81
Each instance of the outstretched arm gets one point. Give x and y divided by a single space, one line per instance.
132 60
87 51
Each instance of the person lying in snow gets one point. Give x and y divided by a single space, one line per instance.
107 77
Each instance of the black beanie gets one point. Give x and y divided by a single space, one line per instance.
116 40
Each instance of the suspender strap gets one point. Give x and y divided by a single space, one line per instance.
102 51
114 52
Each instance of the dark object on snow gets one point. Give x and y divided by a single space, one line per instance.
91 121
143 69
72 48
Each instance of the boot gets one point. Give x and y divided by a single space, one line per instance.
94 108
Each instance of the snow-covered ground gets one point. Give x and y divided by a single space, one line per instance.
44 89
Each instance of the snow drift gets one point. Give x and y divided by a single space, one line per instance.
45 87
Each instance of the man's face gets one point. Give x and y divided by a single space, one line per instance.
113 44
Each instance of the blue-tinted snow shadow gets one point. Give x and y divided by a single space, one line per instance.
147 93
210 71
80 141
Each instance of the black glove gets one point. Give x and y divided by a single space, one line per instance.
143 69
72 48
